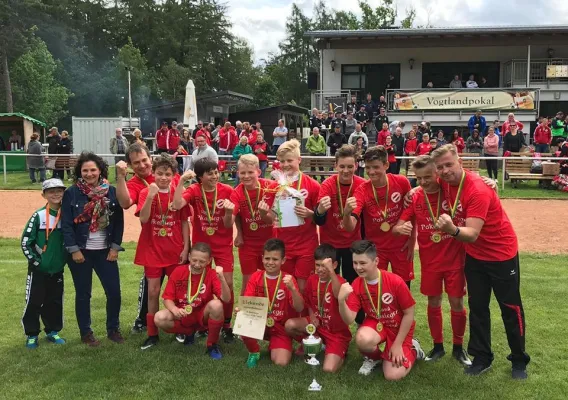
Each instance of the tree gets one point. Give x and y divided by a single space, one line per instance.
36 89
174 78
381 17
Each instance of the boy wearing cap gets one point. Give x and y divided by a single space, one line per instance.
42 244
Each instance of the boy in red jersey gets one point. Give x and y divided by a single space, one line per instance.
389 309
190 302
164 239
441 259
284 298
380 201
300 240
321 301
207 197
250 203
333 194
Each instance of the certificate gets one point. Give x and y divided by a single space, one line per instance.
251 318
287 217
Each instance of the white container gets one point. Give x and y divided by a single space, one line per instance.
94 134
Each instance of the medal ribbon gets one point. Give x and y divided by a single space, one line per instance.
376 310
320 300
275 291
299 182
163 216
191 298
210 213
430 211
340 199
384 212
454 207
47 221
249 203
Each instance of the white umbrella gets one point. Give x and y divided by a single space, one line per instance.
190 109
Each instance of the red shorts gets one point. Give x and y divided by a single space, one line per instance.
454 282
250 261
224 258
388 336
277 337
190 324
334 342
300 266
399 263
158 272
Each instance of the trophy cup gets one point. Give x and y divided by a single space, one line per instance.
312 347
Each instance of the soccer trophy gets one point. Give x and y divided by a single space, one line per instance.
312 347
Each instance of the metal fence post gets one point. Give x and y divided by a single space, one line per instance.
4 165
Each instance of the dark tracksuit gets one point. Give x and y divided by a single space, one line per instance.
44 284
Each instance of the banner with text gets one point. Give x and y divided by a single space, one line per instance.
473 99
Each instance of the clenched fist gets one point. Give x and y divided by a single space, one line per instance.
120 168
405 229
153 190
219 271
445 224
263 207
328 265
350 205
188 176
288 281
228 206
324 205
344 292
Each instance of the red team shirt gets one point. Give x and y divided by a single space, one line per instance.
423 149
332 232
497 240
303 239
449 254
283 308
176 288
154 250
373 213
254 240
223 237
135 185
331 319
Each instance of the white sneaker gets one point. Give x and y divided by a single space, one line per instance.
368 366
420 355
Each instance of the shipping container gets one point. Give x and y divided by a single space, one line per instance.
94 134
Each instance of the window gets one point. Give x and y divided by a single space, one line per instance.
352 77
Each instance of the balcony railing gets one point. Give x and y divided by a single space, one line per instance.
515 71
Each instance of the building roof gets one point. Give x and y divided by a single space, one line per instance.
24 116
226 97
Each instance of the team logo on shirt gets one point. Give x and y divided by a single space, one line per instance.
446 207
396 197
220 203
304 193
328 298
202 288
387 298
281 294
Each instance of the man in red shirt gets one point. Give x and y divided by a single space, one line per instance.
284 299
380 201
164 239
542 137
205 131
161 137
383 133
387 331
190 300
250 205
441 259
491 264
320 296
207 197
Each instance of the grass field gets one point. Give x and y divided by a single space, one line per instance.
174 371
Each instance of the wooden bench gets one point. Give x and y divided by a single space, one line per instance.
518 167
311 165
62 162
470 165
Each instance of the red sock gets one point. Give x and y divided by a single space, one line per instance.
214 326
459 319
375 355
151 327
435 324
228 310
251 344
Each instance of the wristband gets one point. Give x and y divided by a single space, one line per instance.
457 232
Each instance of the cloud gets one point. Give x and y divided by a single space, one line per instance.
263 23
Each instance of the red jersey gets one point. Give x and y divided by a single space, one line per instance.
332 232
391 152
303 239
497 240
176 288
410 146
382 137
254 239
283 308
373 212
135 185
331 319
261 154
173 139
447 255
459 143
155 250
542 135
221 237
423 149
162 138
395 298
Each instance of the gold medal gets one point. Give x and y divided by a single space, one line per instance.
253 226
436 237
270 322
191 298
376 309
379 327
385 227
210 231
163 232
188 309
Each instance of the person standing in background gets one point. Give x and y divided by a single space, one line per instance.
65 146
15 141
52 141
35 161
280 134
491 149
118 145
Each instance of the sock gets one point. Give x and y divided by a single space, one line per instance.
151 327
228 310
435 324
251 344
374 355
214 326
459 319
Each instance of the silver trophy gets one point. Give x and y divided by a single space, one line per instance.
312 347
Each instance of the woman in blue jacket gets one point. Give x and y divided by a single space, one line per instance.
93 223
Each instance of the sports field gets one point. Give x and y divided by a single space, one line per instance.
173 371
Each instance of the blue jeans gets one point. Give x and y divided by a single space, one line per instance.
542 148
263 165
41 174
83 280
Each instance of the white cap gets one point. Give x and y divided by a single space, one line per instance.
52 184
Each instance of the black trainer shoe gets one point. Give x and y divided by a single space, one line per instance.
180 338
435 354
201 334
519 372
477 369
138 327
462 357
189 339
228 336
151 341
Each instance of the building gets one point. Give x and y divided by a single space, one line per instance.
525 67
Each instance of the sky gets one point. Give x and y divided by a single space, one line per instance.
262 22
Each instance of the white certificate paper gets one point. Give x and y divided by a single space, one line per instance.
284 208
251 318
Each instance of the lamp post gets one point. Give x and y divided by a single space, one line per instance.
129 100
